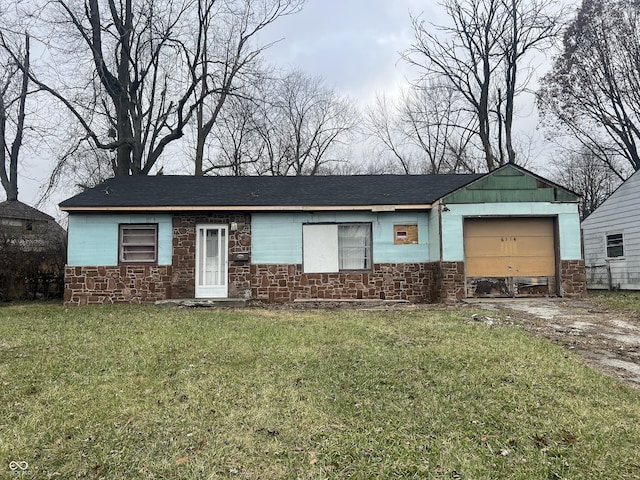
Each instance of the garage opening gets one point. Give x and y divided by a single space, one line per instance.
510 257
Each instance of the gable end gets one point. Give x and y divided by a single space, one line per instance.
510 184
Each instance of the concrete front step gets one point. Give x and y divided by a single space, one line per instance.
205 302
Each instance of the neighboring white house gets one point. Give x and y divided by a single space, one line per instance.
611 236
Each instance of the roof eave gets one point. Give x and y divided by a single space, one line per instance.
249 208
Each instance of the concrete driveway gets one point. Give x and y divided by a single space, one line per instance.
609 340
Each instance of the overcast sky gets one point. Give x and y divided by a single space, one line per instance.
354 45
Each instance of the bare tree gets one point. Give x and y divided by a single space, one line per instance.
383 125
593 91
135 74
586 175
301 122
234 145
532 25
229 65
14 88
424 130
479 55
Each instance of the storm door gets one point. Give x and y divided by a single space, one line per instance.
211 261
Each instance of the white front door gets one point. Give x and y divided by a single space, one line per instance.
211 261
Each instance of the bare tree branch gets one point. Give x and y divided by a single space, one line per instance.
592 91
478 56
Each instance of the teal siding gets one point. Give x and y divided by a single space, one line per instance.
276 238
568 222
570 236
93 238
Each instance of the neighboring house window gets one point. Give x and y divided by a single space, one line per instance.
331 248
615 245
138 243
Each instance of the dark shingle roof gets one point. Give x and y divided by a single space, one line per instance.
22 211
261 192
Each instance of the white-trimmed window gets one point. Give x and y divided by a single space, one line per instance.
332 248
615 245
138 243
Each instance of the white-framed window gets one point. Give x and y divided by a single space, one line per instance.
138 243
332 248
615 245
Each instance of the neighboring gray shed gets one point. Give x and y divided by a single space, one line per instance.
611 238
28 228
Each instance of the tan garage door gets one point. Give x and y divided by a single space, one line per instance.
519 250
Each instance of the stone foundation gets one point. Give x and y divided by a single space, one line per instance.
117 284
387 281
573 278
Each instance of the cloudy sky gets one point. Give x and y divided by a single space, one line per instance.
353 44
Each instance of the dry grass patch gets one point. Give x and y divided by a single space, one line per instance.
621 300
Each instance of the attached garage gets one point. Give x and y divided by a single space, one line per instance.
510 233
510 256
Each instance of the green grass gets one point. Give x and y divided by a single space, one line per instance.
158 393
621 300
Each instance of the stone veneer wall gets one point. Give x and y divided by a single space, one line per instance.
117 284
573 278
387 281
184 252
448 281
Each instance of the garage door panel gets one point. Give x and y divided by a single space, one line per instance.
488 267
496 227
533 246
509 247
485 247
510 267
533 267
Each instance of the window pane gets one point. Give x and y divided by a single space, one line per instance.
354 243
615 247
138 236
134 253
138 243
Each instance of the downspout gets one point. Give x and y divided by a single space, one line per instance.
439 282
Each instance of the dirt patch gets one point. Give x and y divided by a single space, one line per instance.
607 339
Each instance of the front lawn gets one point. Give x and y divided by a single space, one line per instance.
161 393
